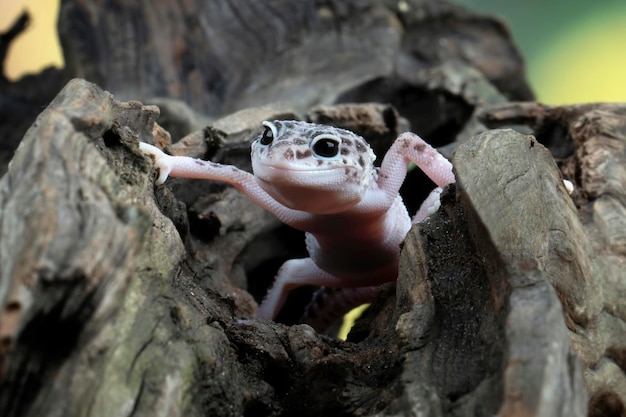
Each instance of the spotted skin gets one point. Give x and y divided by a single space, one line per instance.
322 180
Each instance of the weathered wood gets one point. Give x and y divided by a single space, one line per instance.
225 55
71 232
477 322
515 191
589 142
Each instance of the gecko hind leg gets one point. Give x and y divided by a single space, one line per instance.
294 273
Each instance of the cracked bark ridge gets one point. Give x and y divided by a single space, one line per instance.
589 144
73 221
544 254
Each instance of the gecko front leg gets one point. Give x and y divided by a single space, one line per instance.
187 167
409 147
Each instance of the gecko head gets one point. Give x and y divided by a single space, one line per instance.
314 168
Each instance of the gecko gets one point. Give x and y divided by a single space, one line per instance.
322 180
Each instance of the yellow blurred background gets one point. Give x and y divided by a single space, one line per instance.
585 62
38 46
571 57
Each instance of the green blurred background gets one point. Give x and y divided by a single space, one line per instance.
575 50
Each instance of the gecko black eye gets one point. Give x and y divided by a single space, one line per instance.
268 136
326 146
270 133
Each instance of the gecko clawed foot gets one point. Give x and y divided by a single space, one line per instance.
162 161
433 209
429 206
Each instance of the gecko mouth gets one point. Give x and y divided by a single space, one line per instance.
317 191
305 177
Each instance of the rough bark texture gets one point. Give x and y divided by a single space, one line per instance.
118 299
251 53
588 142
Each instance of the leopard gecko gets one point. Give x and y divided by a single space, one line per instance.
322 180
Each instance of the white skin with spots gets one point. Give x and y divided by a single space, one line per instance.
321 180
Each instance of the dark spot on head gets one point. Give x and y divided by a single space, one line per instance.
199 162
420 147
288 155
302 155
360 147
345 151
344 161
299 142
361 161
347 142
320 162
406 143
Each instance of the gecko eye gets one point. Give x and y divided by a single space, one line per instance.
326 146
269 134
